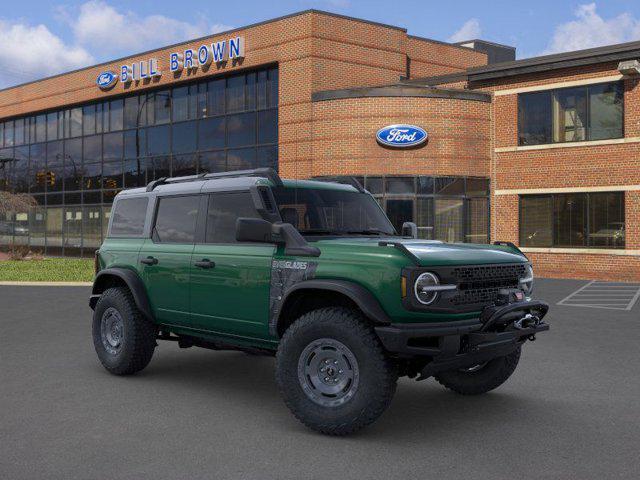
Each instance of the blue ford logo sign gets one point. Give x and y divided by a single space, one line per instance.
401 136
106 80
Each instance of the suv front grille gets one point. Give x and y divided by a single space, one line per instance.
480 284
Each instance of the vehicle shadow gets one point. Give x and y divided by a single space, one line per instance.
418 407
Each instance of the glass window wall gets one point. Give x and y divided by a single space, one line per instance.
451 209
75 160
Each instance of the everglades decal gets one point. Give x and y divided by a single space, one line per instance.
288 264
284 275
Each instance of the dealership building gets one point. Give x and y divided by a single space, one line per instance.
542 152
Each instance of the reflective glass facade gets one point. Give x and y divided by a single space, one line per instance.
74 161
451 209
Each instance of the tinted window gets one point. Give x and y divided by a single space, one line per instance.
115 115
158 140
212 133
570 216
606 111
184 137
449 186
570 119
224 210
591 112
128 217
176 220
534 118
449 219
241 130
573 220
400 185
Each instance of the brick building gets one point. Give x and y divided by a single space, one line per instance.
541 152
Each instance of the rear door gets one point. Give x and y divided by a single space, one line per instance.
165 258
229 279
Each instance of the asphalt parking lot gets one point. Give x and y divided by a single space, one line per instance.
571 410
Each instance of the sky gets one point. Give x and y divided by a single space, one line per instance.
39 38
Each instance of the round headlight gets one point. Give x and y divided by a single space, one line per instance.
422 289
526 282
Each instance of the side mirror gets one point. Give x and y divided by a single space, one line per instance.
262 231
294 243
409 229
253 230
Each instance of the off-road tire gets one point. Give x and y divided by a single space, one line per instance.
138 338
377 373
483 380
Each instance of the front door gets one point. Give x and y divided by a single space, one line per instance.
230 280
165 259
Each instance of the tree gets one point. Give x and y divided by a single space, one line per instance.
15 202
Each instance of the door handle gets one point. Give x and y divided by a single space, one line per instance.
149 260
205 263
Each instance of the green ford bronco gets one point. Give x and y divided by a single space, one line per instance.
314 273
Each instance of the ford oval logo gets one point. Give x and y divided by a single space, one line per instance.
106 80
401 136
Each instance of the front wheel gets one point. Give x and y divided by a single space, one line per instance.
333 373
481 378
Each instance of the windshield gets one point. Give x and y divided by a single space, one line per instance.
327 212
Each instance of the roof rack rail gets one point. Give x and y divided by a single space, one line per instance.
164 180
345 180
269 173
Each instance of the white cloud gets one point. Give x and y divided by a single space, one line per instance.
98 32
107 31
29 52
589 29
469 31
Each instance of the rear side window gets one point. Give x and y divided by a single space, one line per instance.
176 219
128 217
224 210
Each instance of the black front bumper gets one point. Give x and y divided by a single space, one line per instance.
459 344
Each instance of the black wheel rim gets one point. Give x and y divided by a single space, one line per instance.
328 372
111 330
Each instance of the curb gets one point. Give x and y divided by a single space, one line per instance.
47 284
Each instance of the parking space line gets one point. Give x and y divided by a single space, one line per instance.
634 300
597 294
577 291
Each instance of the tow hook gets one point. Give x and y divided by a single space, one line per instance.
527 321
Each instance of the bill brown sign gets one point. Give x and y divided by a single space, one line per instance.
189 59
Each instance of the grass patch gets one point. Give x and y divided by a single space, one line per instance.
47 270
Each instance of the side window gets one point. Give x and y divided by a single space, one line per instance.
176 219
128 217
224 210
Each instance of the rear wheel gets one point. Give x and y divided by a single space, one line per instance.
123 337
333 373
480 378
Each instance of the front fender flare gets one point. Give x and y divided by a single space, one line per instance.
133 282
362 297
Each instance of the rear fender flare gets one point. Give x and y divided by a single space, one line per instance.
133 282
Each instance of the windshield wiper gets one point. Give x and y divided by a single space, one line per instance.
320 231
370 231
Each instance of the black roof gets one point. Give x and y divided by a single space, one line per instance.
590 56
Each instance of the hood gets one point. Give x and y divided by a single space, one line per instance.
434 253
